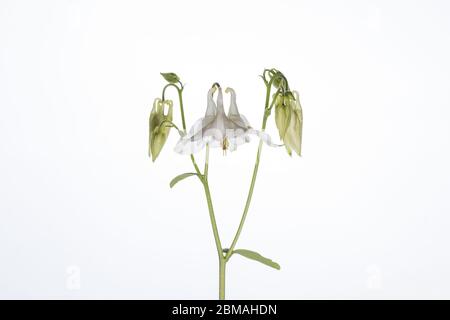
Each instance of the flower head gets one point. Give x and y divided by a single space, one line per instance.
159 125
218 129
289 120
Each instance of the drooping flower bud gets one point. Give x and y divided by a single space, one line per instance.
289 121
159 126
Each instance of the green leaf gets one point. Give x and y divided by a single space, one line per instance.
181 177
170 77
257 257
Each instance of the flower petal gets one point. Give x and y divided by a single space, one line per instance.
220 101
211 109
265 137
233 112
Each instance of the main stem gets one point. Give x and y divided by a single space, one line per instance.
222 262
204 180
222 267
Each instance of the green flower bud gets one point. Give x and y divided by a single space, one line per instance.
170 77
159 126
289 121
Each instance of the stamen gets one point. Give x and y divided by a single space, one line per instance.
225 145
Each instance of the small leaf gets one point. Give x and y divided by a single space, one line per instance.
257 257
181 177
170 77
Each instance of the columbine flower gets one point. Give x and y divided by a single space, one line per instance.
218 129
289 121
160 125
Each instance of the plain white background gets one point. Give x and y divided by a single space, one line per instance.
85 213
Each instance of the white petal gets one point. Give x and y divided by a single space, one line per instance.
233 112
245 121
220 102
214 143
211 109
264 137
214 133
193 141
234 142
217 126
187 146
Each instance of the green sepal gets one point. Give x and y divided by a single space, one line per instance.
289 121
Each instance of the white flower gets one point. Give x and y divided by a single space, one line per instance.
218 129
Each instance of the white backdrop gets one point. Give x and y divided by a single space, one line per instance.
85 213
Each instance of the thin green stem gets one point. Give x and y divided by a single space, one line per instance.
173 125
205 171
213 220
197 169
180 98
222 261
168 86
255 173
220 255
247 203
222 269
183 119
210 205
204 180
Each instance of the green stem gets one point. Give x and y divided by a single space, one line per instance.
205 171
213 220
222 267
173 125
247 203
180 98
220 255
255 173
196 167
204 180
183 119
210 205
